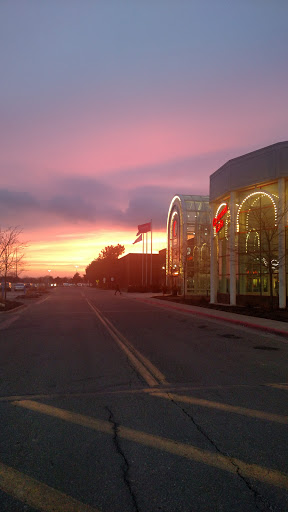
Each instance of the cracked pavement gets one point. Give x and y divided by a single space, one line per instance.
81 424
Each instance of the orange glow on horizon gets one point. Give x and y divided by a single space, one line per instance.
64 252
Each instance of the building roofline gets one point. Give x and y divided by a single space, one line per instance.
259 166
252 154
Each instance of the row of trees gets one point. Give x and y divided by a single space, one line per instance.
11 253
104 269
48 279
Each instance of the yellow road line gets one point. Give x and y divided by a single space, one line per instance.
167 389
36 494
44 396
230 464
152 368
143 366
223 407
279 386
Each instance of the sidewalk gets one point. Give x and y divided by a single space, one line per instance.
261 324
24 302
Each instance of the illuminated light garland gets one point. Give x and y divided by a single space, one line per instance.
247 217
219 207
227 224
174 217
246 198
248 213
247 238
195 249
222 205
169 256
173 224
250 209
203 246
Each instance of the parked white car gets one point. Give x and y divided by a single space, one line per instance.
19 287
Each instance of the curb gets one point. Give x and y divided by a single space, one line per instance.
243 323
23 306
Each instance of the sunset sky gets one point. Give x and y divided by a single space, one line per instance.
111 107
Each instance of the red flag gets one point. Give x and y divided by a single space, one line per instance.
138 239
144 228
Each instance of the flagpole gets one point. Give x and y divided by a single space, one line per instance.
151 257
143 261
144 229
146 259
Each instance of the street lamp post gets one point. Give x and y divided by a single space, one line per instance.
76 266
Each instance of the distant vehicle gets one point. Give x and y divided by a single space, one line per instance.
30 286
19 287
66 284
8 286
40 285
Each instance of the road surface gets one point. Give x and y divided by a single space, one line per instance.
111 404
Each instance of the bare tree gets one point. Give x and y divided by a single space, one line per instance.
11 252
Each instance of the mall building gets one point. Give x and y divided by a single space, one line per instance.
188 245
232 244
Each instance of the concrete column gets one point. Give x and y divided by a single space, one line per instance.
232 250
281 243
183 246
213 264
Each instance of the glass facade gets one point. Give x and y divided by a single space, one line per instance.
188 255
233 244
257 230
256 243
